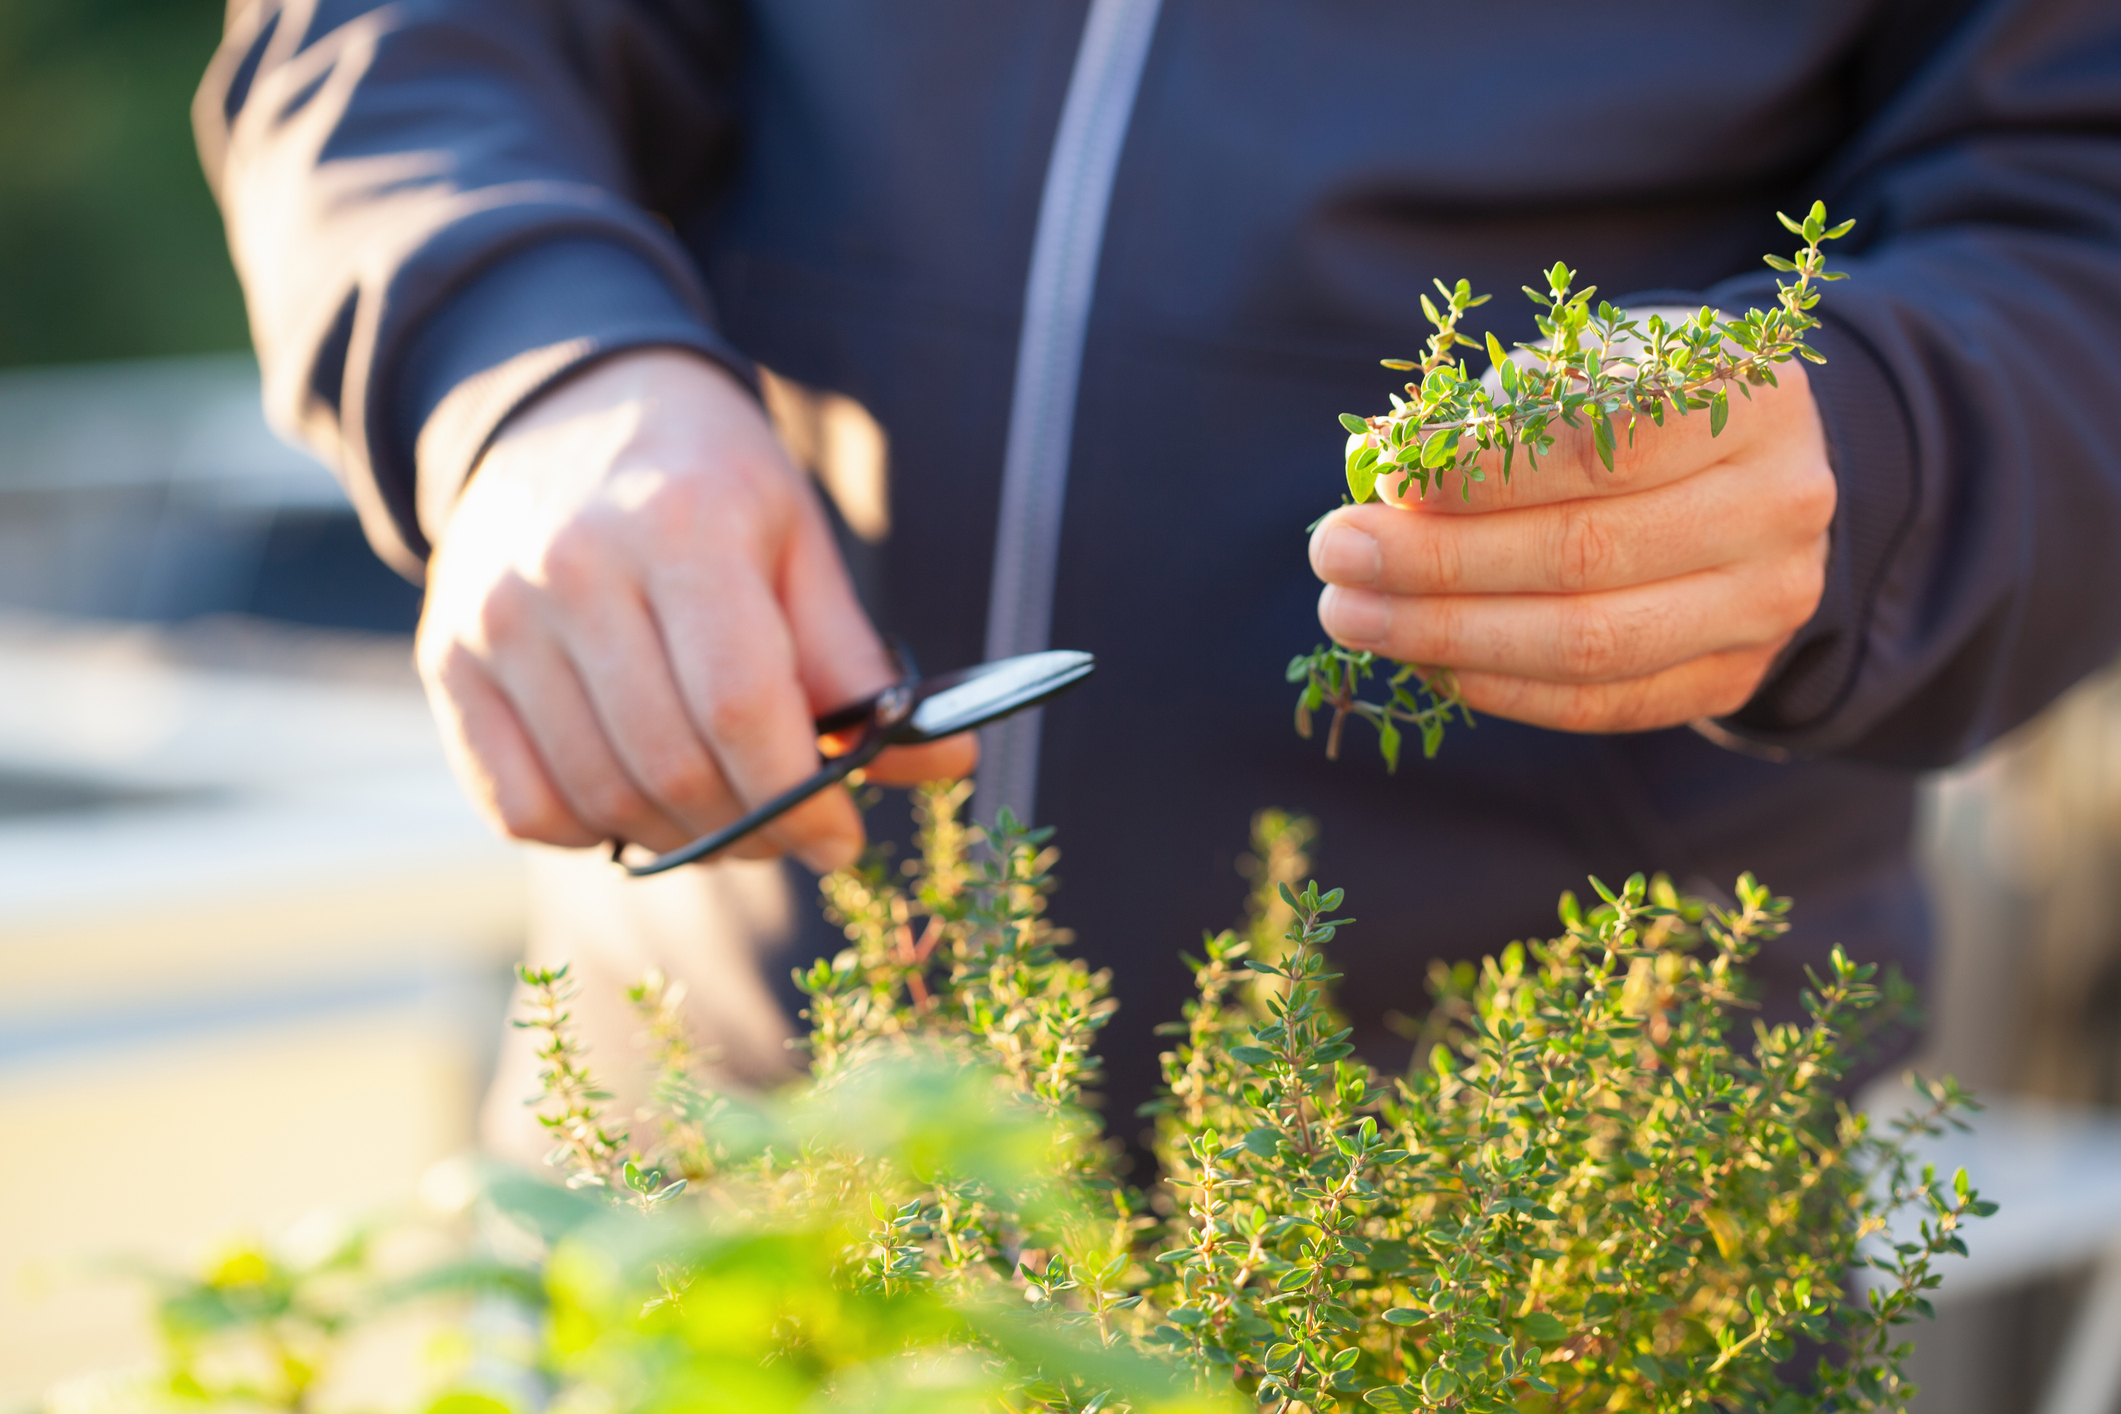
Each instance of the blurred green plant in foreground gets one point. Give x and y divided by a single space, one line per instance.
1582 1195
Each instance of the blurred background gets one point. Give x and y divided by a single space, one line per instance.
254 946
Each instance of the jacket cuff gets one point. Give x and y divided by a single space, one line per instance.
535 317
1871 447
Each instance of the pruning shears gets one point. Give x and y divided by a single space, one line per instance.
911 711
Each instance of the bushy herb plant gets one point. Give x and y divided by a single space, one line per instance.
1595 368
1598 1187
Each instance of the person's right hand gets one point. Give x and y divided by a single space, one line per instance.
635 613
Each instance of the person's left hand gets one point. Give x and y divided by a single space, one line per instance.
1594 601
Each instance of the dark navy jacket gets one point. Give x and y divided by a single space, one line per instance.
439 205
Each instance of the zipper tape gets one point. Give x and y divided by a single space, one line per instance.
1049 359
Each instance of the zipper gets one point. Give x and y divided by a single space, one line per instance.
1049 357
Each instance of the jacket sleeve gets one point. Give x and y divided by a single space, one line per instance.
438 207
1971 397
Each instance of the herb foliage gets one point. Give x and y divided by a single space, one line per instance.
1591 368
1598 1187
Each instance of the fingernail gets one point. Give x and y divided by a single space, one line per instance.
1346 555
1355 616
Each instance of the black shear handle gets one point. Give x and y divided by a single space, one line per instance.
878 717
836 769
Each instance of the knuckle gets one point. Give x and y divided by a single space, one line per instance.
683 779
1439 630
1591 642
684 513
506 609
576 559
439 657
1585 550
736 715
679 509
1812 503
1442 557
1796 593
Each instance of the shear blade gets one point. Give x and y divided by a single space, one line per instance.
972 697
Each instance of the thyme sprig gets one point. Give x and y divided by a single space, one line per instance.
570 1105
1593 367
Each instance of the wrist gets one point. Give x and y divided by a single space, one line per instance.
655 386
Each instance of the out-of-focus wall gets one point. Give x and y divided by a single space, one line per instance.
2023 848
254 943
151 490
254 946
2027 849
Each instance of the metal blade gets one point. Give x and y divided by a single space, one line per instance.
973 697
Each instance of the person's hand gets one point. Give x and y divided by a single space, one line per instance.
635 613
1596 601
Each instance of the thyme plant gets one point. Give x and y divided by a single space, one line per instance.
1581 1196
1597 1187
1592 367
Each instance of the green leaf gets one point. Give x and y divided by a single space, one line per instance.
1602 439
1436 451
1362 482
1405 1316
1719 412
1388 743
1354 424
1393 1399
1544 1327
1264 1142
1252 1055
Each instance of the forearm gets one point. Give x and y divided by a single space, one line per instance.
1969 406
375 164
